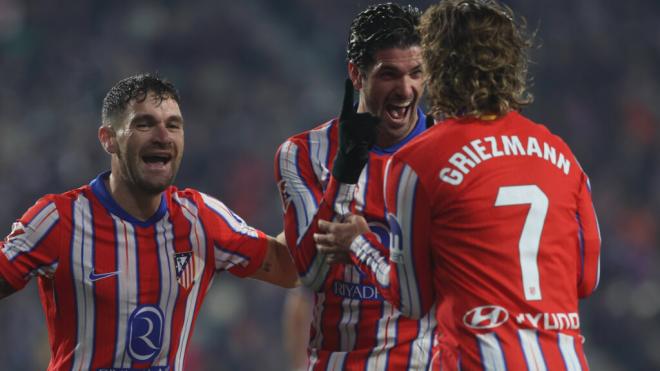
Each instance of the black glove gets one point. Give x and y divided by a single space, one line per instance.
357 134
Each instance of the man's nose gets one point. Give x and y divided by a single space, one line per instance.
162 134
406 87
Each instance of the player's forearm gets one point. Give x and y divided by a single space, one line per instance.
312 265
278 267
396 281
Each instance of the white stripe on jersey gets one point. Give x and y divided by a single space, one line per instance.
169 288
568 353
301 196
361 189
127 291
531 348
225 259
319 146
423 345
345 195
402 251
34 232
198 243
82 264
315 276
235 222
336 361
386 335
492 357
350 312
373 258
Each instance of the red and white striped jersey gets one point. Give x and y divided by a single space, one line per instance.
118 293
353 328
492 222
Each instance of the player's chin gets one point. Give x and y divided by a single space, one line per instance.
156 185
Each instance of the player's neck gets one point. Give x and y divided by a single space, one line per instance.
139 205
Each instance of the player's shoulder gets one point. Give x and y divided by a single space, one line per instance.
195 196
326 131
539 130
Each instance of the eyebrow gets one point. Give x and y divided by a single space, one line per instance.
150 117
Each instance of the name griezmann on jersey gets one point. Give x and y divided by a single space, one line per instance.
480 150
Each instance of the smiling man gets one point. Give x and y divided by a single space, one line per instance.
353 328
125 262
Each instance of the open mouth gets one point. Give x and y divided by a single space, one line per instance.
398 111
157 160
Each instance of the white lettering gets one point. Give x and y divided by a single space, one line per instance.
563 163
547 325
575 320
512 145
459 160
563 320
533 147
493 147
471 154
480 149
451 176
534 320
549 153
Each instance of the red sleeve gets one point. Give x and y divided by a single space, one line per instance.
31 248
237 247
305 202
589 241
405 279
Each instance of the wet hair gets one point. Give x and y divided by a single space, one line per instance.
135 88
380 27
476 55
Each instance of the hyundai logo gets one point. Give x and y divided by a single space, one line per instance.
485 317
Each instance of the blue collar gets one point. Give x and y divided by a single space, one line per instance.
420 125
101 192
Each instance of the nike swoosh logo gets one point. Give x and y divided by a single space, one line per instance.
99 276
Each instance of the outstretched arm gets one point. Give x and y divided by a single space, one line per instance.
278 267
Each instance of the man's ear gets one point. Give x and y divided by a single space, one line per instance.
355 75
108 138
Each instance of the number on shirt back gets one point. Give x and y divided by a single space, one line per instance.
530 237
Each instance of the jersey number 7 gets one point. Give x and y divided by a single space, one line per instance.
530 237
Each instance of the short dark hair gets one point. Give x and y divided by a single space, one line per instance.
135 88
476 55
380 27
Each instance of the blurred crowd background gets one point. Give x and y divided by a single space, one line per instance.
253 72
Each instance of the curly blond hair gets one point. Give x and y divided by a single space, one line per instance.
476 55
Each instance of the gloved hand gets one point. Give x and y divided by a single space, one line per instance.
357 135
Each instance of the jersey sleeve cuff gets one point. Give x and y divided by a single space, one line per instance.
256 259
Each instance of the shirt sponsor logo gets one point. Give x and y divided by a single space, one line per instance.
145 333
485 317
355 291
550 321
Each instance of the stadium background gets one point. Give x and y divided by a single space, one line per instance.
253 72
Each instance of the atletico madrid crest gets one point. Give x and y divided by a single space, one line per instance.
185 268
